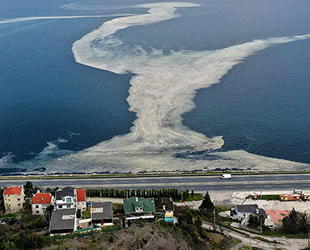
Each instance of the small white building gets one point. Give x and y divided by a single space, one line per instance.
242 212
40 201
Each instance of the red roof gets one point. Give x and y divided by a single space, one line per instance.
42 198
12 190
277 215
81 195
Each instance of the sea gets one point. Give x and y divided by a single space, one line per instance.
143 86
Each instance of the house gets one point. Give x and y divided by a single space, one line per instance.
81 199
242 212
13 198
63 221
40 201
102 213
65 198
165 207
139 208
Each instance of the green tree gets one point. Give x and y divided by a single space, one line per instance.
206 205
48 212
1 201
256 221
29 188
290 223
8 245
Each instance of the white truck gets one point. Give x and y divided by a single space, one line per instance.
226 176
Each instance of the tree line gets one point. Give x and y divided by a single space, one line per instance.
174 193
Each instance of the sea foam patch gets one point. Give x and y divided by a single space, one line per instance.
162 89
25 19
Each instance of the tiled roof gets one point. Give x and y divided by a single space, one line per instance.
12 190
277 215
146 204
42 198
63 219
102 211
67 191
251 208
81 195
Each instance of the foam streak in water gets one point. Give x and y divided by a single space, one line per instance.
24 19
161 91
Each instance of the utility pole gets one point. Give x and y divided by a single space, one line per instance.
182 194
214 219
250 242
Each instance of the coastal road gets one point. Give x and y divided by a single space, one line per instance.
197 183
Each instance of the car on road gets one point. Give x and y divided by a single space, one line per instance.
226 176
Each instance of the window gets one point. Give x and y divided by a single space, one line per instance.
60 206
18 199
37 212
68 206
37 206
68 199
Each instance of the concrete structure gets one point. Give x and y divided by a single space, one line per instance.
81 199
13 198
40 201
66 198
164 208
63 221
139 208
102 214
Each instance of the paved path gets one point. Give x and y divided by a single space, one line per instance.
248 239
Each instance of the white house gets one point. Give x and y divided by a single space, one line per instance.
242 212
66 198
40 201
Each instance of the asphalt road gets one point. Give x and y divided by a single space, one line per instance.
197 183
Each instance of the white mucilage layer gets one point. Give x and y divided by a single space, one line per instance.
162 89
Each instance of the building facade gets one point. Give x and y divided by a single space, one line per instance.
66 198
13 199
81 199
40 201
139 208
102 214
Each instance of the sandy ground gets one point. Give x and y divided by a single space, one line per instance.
236 198
230 199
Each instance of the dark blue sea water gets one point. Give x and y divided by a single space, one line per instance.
261 106
46 95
